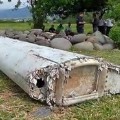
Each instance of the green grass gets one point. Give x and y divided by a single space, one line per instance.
15 26
88 27
110 56
26 26
15 104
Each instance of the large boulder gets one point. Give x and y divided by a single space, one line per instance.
61 34
38 38
16 36
43 42
36 31
98 46
108 47
78 38
47 35
23 37
108 40
9 33
61 43
50 34
31 38
26 32
84 46
17 32
92 39
100 37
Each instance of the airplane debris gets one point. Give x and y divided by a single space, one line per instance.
55 76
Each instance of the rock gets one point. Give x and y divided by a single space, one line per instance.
26 32
108 46
84 46
23 37
16 36
99 37
9 33
2 32
46 35
8 30
18 32
44 42
51 34
78 38
108 40
32 34
62 34
38 38
92 39
61 43
59 35
97 46
31 38
36 31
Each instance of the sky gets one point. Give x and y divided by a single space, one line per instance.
10 5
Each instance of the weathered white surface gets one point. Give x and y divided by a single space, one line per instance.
17 62
51 54
113 83
113 80
25 63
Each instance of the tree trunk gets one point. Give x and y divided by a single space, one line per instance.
38 23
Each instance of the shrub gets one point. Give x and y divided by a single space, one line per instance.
115 35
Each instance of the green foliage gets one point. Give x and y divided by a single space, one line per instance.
113 9
41 8
113 12
15 26
115 35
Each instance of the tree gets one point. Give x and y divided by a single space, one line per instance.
114 9
41 8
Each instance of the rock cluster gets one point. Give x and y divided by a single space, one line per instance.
96 41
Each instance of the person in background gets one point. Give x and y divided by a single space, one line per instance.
80 23
109 25
68 29
52 29
60 28
43 27
101 25
95 22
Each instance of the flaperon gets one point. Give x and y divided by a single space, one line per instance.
56 76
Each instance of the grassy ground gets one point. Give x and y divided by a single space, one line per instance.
15 104
16 26
26 26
